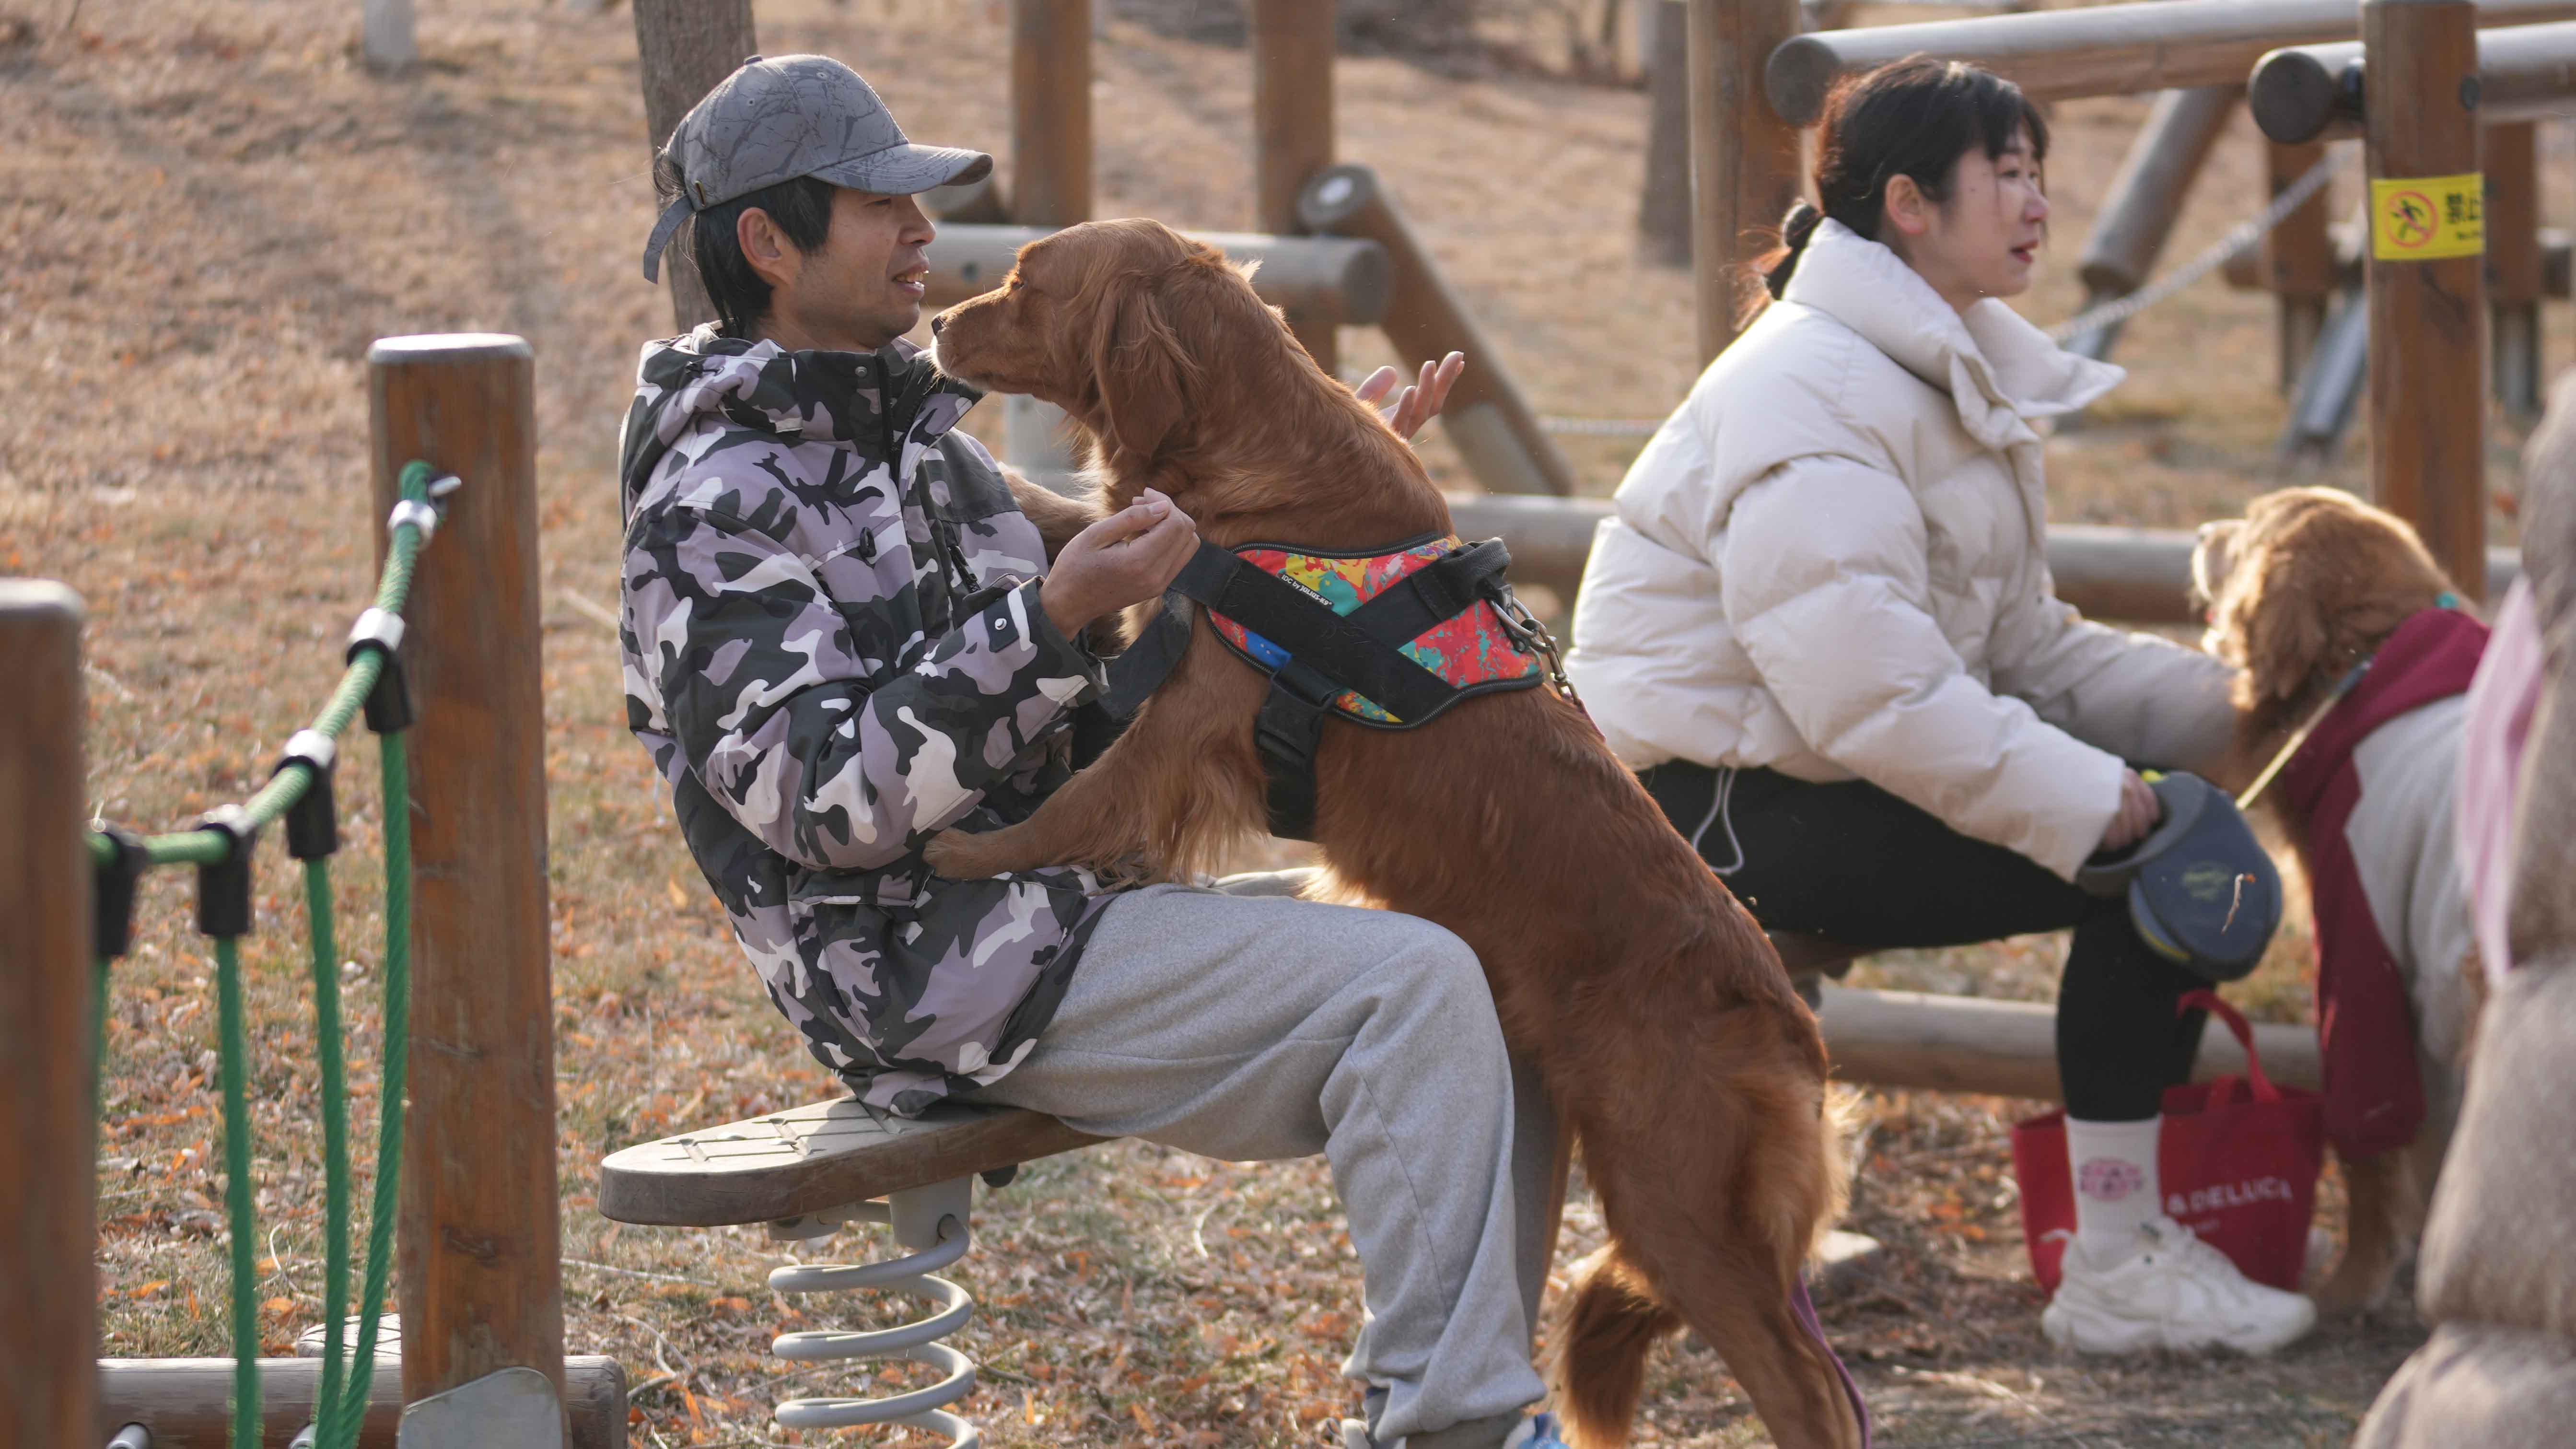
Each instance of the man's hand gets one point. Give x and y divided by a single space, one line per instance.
1417 404
2138 811
1126 558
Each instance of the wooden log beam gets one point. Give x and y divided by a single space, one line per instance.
1346 280
2009 1048
1744 160
182 1401
1487 417
2146 196
2133 575
683 47
1292 134
2318 92
2427 297
480 1271
2100 50
48 1135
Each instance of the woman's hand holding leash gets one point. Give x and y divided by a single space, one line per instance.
1417 404
1126 558
2137 813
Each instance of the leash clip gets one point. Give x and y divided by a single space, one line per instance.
1529 635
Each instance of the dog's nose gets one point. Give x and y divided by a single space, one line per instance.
937 321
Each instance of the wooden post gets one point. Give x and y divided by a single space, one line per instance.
1744 158
1050 112
480 1277
387 39
2299 259
683 48
1050 187
1292 131
48 1170
2515 280
2427 311
1664 200
1492 424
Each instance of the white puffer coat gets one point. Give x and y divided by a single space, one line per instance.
1830 561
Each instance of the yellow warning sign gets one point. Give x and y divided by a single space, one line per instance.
2423 218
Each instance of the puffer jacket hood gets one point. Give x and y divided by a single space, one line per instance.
1831 561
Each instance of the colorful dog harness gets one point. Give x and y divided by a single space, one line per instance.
1387 638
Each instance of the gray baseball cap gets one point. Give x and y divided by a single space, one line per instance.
779 118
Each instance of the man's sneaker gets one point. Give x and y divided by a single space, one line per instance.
1538 1431
2174 1292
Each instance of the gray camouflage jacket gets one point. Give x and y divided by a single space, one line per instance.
834 649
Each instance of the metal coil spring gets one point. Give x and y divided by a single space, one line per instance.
932 1220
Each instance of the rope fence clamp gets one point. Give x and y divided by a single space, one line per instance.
312 822
112 891
389 708
224 886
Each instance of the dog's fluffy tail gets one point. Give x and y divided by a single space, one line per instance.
1610 1324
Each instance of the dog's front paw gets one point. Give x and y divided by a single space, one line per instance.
960 855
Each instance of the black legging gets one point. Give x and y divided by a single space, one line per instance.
1855 864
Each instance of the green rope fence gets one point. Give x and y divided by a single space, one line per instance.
220 848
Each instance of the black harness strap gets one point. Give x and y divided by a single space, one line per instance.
1433 594
1332 645
1330 653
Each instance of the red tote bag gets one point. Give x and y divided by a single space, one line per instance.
2238 1159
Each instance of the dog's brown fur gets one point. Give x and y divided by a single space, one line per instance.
1669 1037
2305 586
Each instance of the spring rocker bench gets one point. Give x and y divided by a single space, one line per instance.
807 1171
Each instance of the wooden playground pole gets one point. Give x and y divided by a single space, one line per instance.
1050 187
1744 158
1292 131
2146 198
2427 278
2515 266
683 47
480 1270
48 1172
1050 112
1487 417
2299 259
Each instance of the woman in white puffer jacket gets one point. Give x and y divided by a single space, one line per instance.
1821 626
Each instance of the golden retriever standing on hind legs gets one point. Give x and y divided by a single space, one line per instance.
2357 656
1671 1041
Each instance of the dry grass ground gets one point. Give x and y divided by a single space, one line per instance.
206 212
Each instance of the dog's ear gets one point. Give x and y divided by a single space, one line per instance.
2272 607
1137 362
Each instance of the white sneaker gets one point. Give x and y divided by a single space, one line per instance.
2174 1292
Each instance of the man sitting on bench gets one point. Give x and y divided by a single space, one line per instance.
842 636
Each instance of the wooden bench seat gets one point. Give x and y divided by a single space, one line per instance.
816 1158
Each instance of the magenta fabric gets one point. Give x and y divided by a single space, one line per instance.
2501 702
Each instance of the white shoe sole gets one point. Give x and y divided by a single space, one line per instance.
2139 1338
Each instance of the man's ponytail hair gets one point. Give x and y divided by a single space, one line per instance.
1914 117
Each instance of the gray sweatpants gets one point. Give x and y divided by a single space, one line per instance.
1239 1024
